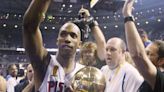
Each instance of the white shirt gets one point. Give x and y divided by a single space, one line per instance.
124 78
11 83
57 83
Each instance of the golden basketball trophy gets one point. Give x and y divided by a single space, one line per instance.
89 79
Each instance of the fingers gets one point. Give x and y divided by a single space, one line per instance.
129 3
84 12
128 7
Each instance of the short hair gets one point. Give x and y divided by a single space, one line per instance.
10 66
70 23
160 45
122 45
89 45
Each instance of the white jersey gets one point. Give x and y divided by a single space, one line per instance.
58 82
125 78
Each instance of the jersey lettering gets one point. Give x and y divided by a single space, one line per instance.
55 86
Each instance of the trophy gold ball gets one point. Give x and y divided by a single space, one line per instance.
89 79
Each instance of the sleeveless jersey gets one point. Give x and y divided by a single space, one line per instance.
55 79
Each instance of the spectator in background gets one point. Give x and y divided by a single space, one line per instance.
2 84
1 69
151 74
88 55
144 37
30 87
23 83
119 74
155 52
12 77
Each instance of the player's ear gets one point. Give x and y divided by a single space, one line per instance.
80 44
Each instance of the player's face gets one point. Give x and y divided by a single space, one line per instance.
113 53
152 53
68 38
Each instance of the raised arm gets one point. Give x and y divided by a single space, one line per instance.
100 41
98 36
32 37
136 47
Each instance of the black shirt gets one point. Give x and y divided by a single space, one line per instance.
159 84
145 87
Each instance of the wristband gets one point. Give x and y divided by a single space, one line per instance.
129 18
93 23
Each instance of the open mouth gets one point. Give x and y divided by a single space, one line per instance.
108 58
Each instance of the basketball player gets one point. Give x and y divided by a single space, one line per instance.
51 73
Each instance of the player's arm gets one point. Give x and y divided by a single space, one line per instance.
136 47
32 38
